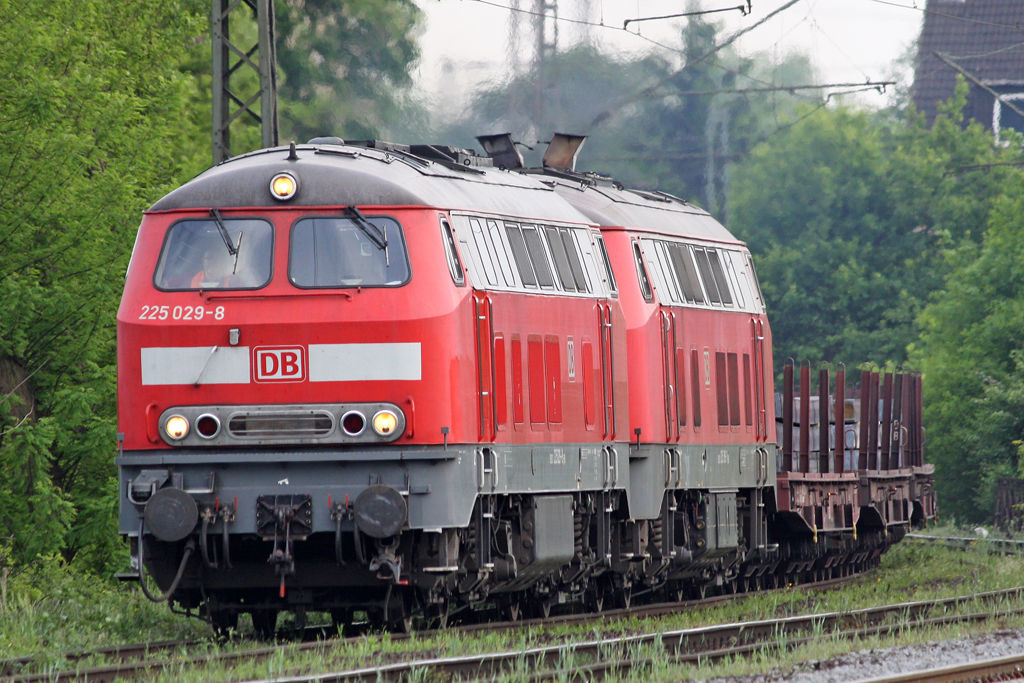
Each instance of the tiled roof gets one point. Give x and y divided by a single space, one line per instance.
985 37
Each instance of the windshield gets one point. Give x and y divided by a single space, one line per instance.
341 252
197 255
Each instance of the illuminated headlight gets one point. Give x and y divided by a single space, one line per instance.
384 422
176 427
284 186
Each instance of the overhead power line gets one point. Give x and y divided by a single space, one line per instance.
867 85
742 9
611 111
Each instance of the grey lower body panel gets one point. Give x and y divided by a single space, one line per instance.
440 485
654 468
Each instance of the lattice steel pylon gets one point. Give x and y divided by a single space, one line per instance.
224 68
545 27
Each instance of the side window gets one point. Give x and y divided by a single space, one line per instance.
575 265
641 273
704 266
518 244
561 259
452 254
501 251
720 278
539 258
607 267
688 279
483 253
666 271
757 284
741 292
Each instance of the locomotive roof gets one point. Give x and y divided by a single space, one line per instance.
345 175
610 205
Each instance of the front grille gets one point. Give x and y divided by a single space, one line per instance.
281 425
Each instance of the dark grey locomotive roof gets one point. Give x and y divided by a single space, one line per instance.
611 205
342 175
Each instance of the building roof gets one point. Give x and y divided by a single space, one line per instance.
984 37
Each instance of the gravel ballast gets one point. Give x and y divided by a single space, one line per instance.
867 664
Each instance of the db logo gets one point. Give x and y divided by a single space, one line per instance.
279 363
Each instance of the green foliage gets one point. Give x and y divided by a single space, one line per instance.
972 353
48 608
849 214
90 99
344 65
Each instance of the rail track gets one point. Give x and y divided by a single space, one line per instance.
1002 546
1000 669
618 656
591 659
133 660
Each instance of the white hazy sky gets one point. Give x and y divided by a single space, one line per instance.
466 42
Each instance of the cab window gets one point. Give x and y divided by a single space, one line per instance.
335 251
202 254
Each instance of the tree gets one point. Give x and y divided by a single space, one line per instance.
90 104
848 214
344 65
647 128
972 354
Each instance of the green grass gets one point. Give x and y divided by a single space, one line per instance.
73 612
51 608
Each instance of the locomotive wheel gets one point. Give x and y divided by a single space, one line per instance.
264 623
399 613
511 610
224 622
401 625
622 597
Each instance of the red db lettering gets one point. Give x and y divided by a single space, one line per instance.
279 364
268 364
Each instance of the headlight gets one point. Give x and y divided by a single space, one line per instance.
353 423
208 426
384 422
176 427
284 186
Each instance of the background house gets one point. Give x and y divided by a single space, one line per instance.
984 40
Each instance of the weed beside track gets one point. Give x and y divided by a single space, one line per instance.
909 572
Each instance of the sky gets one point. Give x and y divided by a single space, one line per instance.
467 43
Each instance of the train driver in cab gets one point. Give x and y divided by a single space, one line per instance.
218 269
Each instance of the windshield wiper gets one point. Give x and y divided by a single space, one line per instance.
232 249
379 238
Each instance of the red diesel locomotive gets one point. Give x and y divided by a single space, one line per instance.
408 380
